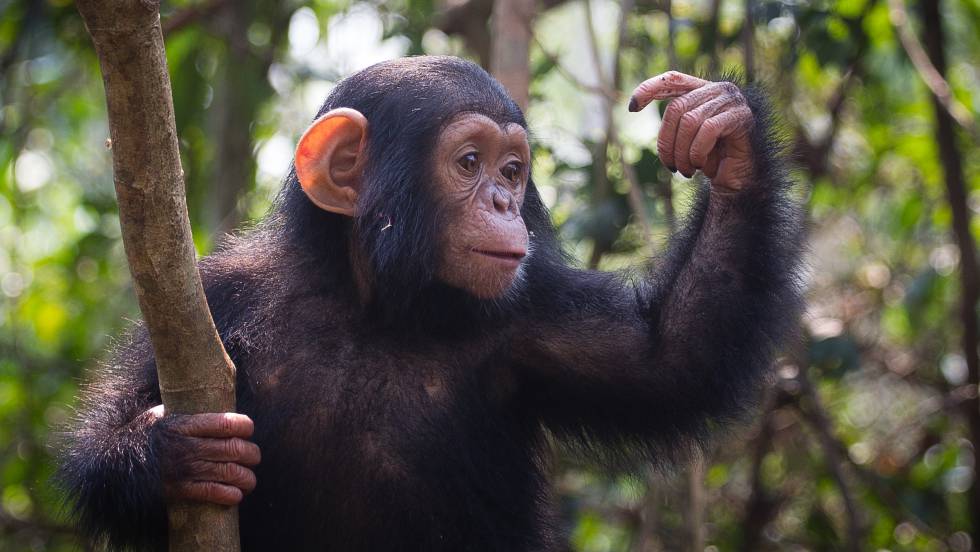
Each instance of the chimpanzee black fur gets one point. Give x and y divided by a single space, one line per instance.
413 416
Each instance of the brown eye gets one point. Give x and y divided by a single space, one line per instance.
513 172
469 162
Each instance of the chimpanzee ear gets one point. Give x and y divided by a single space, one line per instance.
330 160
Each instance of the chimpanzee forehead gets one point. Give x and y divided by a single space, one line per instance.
433 89
470 119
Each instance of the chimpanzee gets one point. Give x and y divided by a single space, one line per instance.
410 338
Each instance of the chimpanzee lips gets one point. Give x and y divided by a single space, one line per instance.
512 256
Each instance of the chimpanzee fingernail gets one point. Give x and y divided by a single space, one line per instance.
634 105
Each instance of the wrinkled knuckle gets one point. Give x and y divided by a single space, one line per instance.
689 119
225 471
196 468
696 157
675 108
227 423
731 89
248 480
234 447
211 490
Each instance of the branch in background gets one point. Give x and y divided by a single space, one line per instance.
600 159
10 525
191 15
835 454
635 195
815 155
696 503
510 47
710 40
951 162
748 40
671 34
555 59
816 417
468 20
927 69
761 506
647 538
24 26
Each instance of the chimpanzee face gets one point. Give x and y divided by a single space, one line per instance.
481 173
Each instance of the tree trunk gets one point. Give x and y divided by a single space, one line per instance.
511 46
952 164
195 372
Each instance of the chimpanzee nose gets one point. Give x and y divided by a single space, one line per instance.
503 201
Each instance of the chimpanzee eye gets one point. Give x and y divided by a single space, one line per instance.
513 172
469 162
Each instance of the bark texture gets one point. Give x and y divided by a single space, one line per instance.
511 45
195 372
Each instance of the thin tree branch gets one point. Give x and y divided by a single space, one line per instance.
192 14
555 59
635 196
671 33
951 161
927 70
835 454
748 40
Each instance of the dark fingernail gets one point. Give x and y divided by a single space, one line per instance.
634 105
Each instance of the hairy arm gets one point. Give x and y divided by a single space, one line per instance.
122 459
109 466
655 365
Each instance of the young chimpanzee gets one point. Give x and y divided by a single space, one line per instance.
407 331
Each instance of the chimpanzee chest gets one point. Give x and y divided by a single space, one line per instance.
398 448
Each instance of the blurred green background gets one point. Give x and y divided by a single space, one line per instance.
866 442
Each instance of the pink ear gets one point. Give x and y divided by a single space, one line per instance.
330 160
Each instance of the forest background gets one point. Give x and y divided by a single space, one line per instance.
868 439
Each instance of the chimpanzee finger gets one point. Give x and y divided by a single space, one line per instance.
689 125
717 128
667 138
234 449
207 491
230 473
710 168
217 425
663 86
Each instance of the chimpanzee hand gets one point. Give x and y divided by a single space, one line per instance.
706 127
205 457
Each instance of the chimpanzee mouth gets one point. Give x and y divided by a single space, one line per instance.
509 256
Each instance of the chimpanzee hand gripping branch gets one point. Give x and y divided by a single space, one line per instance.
407 330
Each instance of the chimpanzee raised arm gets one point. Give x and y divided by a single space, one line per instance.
654 366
